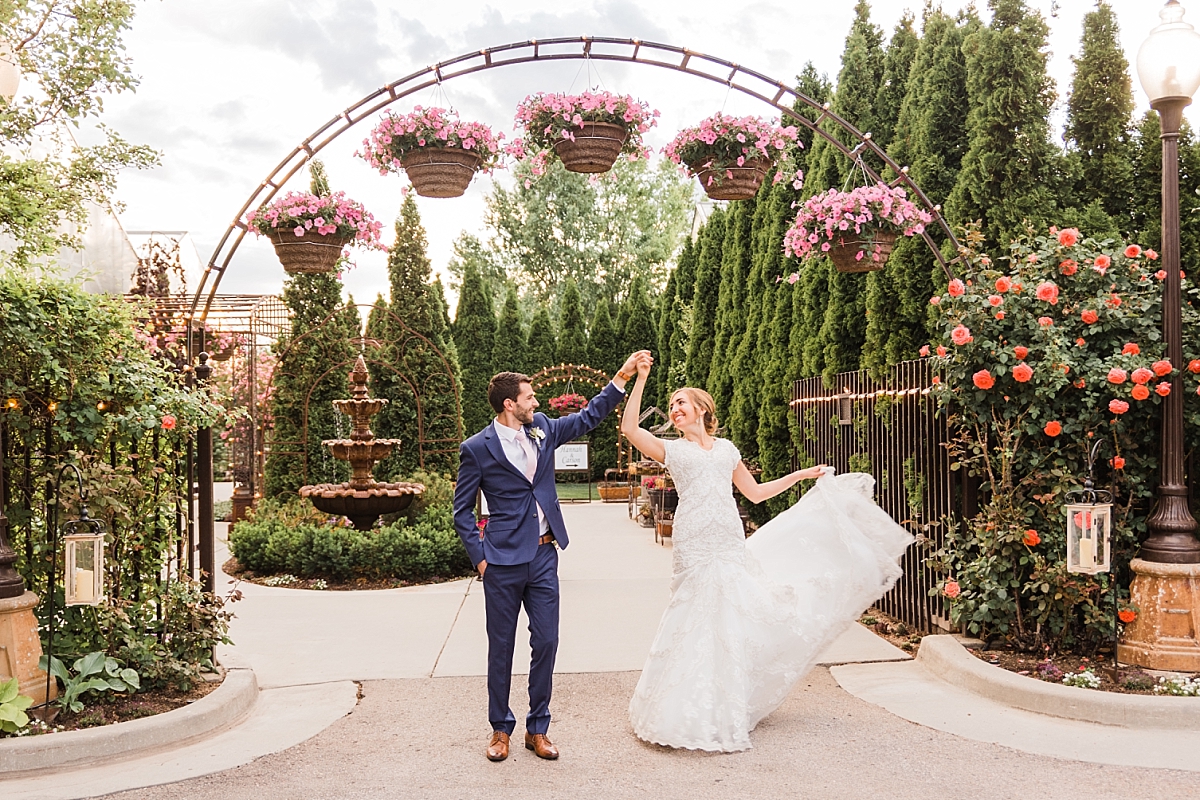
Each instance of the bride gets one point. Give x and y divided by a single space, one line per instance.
747 618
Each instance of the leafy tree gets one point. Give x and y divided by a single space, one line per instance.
541 346
704 309
602 234
572 330
1009 171
75 49
474 333
509 352
1099 118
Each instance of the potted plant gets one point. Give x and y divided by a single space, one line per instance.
857 229
309 230
731 155
568 403
585 131
439 152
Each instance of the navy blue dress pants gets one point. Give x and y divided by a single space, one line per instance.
505 588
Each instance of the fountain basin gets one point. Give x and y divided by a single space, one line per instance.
362 505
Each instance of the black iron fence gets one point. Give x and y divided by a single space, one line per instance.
891 429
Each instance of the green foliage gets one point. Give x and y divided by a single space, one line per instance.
562 226
638 331
475 340
90 675
508 355
1009 587
604 342
281 538
75 49
731 302
541 346
572 329
707 296
12 707
1010 168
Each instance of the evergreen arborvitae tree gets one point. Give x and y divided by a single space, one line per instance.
475 340
541 346
668 321
731 311
604 341
638 331
898 61
1147 190
1009 170
572 328
675 354
509 352
319 338
1099 119
930 138
706 294
758 304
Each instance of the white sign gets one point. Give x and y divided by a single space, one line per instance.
571 457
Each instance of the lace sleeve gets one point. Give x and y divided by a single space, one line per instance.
667 443
735 456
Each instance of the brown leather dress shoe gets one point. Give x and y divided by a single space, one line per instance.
498 746
541 745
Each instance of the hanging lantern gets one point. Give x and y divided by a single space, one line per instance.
84 540
1089 525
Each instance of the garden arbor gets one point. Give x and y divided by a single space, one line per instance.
774 93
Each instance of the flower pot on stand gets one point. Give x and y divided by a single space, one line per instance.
312 253
593 149
732 183
865 252
441 171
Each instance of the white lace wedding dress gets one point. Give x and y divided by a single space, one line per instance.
748 617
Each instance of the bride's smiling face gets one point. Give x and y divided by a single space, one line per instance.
682 411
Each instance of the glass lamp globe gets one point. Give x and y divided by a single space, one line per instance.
1168 63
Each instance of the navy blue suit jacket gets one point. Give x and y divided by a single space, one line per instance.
512 528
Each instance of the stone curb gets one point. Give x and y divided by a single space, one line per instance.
230 702
944 657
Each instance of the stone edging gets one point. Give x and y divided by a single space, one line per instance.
227 704
944 657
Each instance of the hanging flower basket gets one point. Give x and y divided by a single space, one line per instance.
309 232
439 152
857 229
568 403
865 252
731 155
586 132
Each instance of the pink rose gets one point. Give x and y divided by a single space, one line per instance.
1003 284
1068 237
952 589
1141 375
956 288
983 379
1161 368
1022 372
961 335
1118 406
1117 375
1163 389
1089 316
1047 292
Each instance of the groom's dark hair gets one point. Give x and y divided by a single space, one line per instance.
505 386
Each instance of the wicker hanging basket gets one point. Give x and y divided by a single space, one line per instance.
874 246
733 183
594 149
312 253
441 171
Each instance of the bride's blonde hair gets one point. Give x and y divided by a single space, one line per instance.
703 401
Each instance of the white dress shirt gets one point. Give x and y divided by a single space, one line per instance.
516 456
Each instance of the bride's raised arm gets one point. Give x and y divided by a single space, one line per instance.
649 444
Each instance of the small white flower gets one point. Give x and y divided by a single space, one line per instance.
536 433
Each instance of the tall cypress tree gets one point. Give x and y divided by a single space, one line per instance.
758 304
639 331
474 333
706 294
674 355
1099 118
509 352
898 61
572 329
731 320
1010 168
668 321
604 341
541 346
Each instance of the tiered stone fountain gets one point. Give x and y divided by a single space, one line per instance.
363 500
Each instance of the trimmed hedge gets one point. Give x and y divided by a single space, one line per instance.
289 538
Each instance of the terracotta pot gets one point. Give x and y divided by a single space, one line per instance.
310 253
734 183
441 171
595 148
875 247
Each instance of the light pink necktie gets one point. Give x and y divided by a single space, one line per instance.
530 456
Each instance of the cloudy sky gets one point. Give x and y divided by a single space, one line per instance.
229 87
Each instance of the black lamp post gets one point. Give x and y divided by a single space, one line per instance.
1168 66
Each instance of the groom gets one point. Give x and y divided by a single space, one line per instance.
512 461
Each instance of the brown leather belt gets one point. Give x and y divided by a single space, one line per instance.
547 539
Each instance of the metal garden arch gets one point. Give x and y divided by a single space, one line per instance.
680 59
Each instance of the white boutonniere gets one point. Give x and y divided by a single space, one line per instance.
537 434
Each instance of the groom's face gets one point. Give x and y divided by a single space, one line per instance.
525 404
